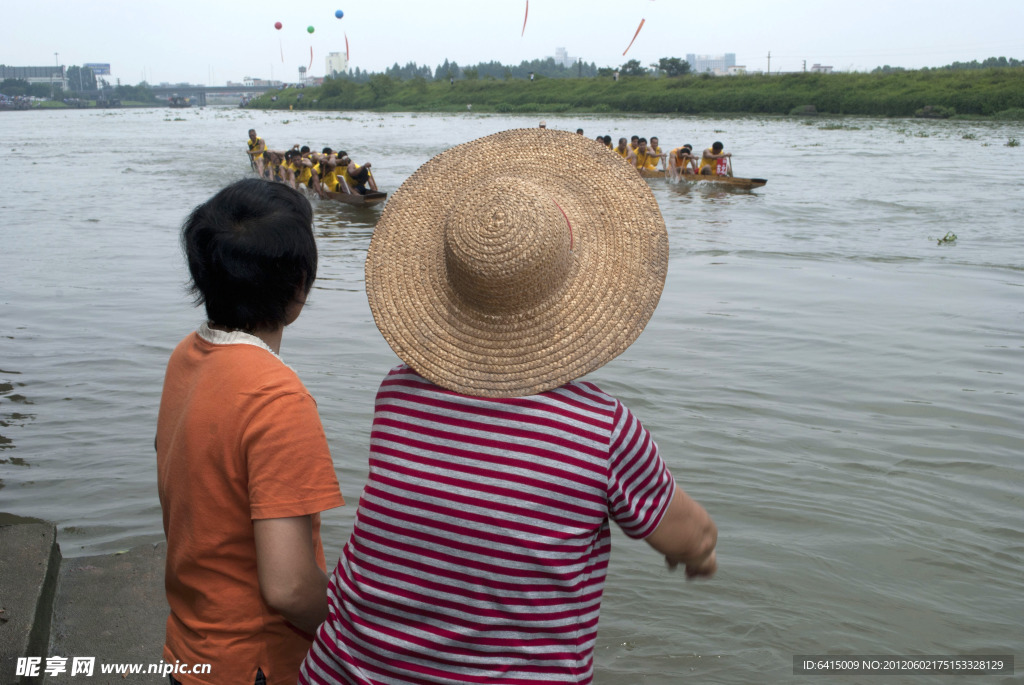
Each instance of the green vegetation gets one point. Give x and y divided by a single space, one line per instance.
540 68
993 92
1013 142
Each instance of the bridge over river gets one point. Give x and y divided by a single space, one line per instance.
197 94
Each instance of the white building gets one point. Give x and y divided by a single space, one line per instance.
564 58
337 63
50 75
819 69
251 81
714 64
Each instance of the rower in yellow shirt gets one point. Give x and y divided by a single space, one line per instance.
682 161
289 168
623 151
307 171
655 150
328 170
644 160
710 160
357 177
256 149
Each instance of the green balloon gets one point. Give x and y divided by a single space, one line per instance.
310 29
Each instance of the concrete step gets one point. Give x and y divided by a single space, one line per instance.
111 608
29 565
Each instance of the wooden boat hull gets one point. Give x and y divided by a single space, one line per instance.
733 181
371 198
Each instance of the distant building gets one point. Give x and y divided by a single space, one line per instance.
737 70
250 81
52 74
819 69
337 63
564 58
713 64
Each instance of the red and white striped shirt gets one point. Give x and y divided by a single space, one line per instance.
481 541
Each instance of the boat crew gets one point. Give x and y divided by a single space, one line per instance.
709 160
634 143
256 149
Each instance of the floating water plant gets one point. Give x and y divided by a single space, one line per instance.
1012 142
950 237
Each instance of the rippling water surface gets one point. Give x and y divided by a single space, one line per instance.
843 393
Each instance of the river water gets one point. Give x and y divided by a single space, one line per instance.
844 394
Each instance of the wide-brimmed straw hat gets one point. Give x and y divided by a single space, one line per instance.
517 262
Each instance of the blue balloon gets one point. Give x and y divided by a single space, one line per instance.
339 14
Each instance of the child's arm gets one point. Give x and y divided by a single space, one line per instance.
687 535
290 580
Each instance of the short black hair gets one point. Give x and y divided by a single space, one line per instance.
716 145
250 249
305 148
327 150
607 140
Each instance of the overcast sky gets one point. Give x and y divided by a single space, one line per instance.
214 41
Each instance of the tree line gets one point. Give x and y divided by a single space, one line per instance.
992 92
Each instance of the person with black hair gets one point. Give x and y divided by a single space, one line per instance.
713 161
243 465
682 161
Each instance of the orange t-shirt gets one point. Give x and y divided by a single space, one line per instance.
238 438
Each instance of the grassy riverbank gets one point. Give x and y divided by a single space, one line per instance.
995 93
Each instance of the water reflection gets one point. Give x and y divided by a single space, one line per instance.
10 394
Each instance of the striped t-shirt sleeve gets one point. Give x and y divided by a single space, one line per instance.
640 486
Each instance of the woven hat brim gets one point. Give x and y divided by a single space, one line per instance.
620 258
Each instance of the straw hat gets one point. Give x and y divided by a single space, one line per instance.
517 262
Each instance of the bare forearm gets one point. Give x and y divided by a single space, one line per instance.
687 535
305 606
291 581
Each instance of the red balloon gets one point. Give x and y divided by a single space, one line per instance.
277 25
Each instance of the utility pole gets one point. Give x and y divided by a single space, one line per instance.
56 62
805 66
769 62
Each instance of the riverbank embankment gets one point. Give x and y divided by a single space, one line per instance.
110 608
996 93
